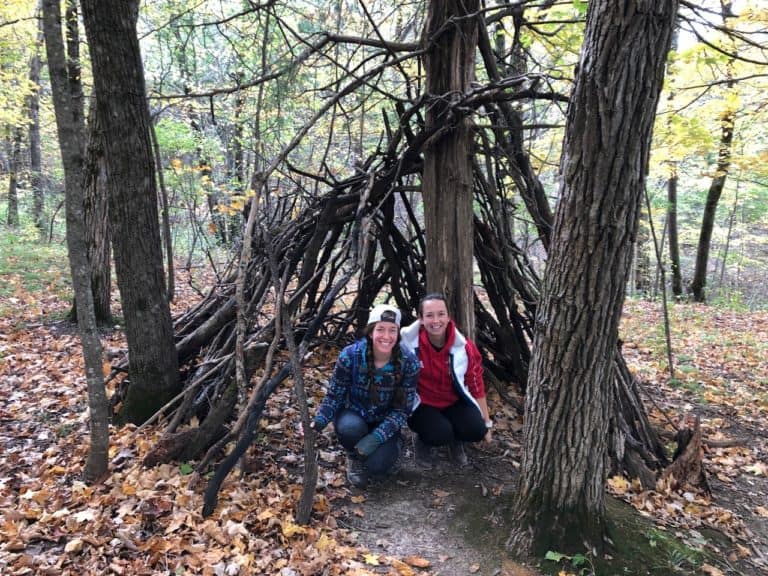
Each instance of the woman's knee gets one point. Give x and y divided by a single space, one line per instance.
384 458
431 426
350 427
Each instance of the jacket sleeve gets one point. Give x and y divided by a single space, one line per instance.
397 417
338 389
474 376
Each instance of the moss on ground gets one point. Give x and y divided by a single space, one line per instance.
640 547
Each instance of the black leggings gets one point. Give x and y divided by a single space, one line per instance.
437 427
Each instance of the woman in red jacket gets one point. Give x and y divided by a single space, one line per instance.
451 407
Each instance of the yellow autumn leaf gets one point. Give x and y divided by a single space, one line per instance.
762 511
291 529
371 559
618 484
324 542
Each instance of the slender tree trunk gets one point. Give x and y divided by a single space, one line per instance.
121 99
14 166
674 245
560 501
166 216
235 221
642 260
33 107
699 282
447 177
731 220
96 465
74 70
98 236
727 119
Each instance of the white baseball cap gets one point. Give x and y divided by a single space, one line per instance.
384 313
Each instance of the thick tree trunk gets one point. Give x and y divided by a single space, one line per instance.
447 178
121 100
96 465
560 501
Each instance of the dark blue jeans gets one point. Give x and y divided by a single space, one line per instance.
437 427
350 428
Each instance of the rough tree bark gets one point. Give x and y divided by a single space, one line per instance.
121 99
447 176
96 465
98 234
560 499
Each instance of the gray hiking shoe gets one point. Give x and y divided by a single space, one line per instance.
457 453
423 453
357 475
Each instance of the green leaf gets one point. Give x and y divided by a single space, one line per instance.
186 469
580 6
554 556
578 560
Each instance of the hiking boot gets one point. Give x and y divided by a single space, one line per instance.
357 475
457 454
423 453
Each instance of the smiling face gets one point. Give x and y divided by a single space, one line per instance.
384 337
434 317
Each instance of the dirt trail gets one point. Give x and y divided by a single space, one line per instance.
451 516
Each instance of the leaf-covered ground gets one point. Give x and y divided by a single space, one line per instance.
445 521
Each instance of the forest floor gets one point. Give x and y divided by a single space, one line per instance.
447 521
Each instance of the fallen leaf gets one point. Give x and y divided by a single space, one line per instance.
75 545
290 528
711 570
762 511
417 561
619 484
758 469
402 568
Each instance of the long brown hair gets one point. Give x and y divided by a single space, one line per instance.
398 398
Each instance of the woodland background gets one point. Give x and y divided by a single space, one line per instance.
314 107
